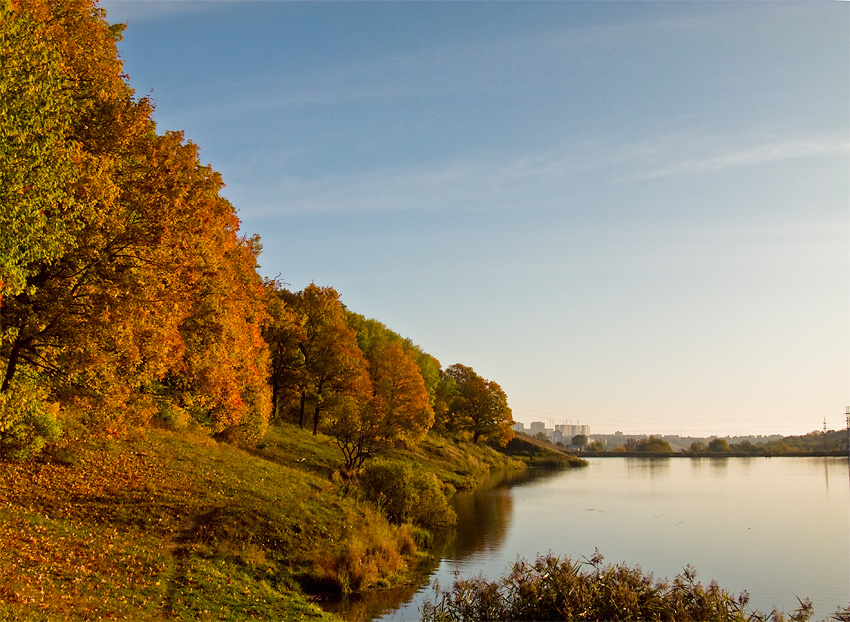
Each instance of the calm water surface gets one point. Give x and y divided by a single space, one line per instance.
776 527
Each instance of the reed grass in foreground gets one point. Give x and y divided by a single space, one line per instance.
556 589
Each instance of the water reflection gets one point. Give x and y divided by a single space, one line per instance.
698 466
666 513
642 468
374 603
826 476
484 518
719 466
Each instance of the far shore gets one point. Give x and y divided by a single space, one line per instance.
708 454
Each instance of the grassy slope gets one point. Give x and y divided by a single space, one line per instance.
541 453
167 525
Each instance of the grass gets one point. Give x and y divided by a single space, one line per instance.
165 525
460 466
172 525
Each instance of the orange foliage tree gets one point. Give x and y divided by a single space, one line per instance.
315 357
397 411
476 408
131 289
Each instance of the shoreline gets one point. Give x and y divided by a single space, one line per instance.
728 454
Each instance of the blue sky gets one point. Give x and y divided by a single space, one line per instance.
632 215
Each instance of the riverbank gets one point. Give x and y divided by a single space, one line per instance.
163 524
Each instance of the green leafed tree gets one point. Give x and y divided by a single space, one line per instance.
653 444
719 445
697 447
38 158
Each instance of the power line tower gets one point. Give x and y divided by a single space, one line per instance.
847 412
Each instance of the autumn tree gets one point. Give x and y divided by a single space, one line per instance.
478 409
284 334
131 288
372 333
397 411
719 445
37 159
328 367
58 294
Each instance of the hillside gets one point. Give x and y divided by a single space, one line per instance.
537 452
164 524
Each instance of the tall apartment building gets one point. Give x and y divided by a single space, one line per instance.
537 426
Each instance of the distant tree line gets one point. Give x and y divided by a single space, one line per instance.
128 296
813 442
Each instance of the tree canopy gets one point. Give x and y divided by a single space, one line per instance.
653 444
125 284
129 295
476 408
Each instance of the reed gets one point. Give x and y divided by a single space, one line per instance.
553 588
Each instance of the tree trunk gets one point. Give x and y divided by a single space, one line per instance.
316 418
12 365
275 400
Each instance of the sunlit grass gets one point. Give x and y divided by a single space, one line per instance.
161 525
174 525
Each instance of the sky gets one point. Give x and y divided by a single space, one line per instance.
634 216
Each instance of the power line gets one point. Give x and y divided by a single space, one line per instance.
782 424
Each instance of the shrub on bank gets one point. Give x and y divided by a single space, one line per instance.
559 589
27 420
407 495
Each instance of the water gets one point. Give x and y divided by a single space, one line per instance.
776 527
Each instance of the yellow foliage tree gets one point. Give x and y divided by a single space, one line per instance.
130 286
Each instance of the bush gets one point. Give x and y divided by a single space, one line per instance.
368 552
27 420
407 495
559 589
172 417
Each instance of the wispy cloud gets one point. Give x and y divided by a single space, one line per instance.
480 184
556 177
685 155
143 10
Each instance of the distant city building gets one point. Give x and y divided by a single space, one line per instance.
536 428
562 432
